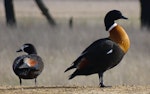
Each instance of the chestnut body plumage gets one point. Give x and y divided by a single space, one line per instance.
105 53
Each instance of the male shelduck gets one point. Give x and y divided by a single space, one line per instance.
28 66
105 53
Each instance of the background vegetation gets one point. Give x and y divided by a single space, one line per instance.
60 46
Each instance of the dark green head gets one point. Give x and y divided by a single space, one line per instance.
111 16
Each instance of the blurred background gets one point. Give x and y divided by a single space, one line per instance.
78 24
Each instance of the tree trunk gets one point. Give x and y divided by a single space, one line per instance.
9 12
71 22
145 13
45 12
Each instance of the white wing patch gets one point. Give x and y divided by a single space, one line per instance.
26 60
110 51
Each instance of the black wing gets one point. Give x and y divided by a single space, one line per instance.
98 49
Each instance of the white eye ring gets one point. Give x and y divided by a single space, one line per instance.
24 46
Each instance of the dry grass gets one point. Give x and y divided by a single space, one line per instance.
60 46
76 90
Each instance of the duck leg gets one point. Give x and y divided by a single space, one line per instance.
20 81
101 84
35 82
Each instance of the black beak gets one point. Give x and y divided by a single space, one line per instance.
20 50
124 17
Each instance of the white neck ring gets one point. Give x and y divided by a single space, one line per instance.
114 25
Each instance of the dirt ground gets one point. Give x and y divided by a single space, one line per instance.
59 47
75 90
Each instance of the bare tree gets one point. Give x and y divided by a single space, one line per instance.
145 13
9 12
45 12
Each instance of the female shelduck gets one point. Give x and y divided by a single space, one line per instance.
28 66
105 53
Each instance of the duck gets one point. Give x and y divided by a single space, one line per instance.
105 53
28 66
